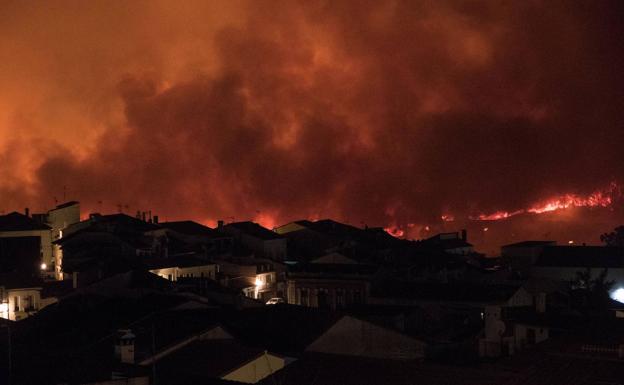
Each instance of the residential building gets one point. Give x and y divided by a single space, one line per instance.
59 219
310 240
562 263
262 241
452 243
16 225
257 278
520 257
353 336
21 296
329 285
182 267
185 236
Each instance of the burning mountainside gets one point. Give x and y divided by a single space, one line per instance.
568 219
602 198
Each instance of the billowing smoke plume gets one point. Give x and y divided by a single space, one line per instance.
390 112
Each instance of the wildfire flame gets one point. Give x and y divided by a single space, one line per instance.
394 231
447 218
603 198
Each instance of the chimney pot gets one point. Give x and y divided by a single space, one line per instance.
27 211
124 346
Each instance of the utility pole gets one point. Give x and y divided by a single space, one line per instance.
153 355
9 354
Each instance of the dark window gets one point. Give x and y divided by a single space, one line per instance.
340 298
322 299
357 297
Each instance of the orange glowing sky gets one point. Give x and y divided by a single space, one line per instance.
387 113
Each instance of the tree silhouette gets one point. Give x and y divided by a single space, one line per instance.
614 238
592 294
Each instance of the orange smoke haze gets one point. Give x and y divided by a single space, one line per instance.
379 113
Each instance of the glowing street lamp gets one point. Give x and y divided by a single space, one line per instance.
618 295
258 282
43 266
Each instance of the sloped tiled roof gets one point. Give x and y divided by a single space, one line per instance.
20 222
191 228
254 229
531 244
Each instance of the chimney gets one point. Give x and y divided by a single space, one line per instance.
124 346
156 219
219 224
27 211
464 235
143 216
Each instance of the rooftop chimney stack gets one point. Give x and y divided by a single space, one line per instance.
27 211
156 219
124 346
464 235
219 224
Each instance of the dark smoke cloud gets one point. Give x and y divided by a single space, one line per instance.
375 112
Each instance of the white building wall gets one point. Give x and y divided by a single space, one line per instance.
174 273
21 303
256 370
58 220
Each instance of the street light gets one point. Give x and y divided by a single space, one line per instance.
618 295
